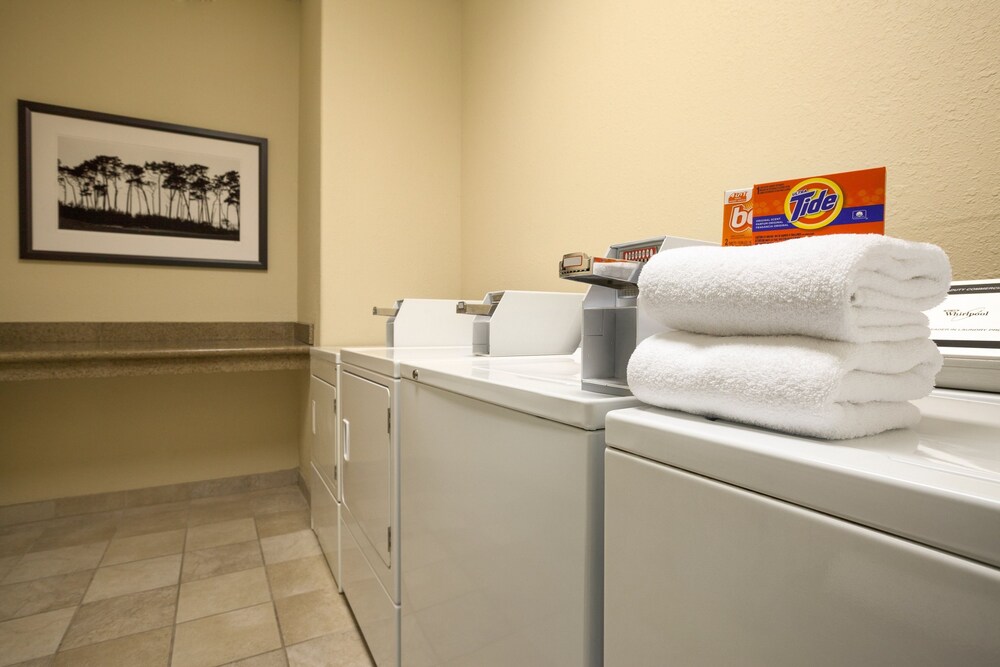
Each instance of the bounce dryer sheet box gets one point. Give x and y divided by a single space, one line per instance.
852 202
737 217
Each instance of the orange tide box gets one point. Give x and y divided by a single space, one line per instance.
852 202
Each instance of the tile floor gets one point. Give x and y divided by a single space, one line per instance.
228 580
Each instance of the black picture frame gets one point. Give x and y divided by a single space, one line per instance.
98 187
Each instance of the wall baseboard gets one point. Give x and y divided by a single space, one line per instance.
118 500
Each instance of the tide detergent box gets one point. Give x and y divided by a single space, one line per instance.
852 202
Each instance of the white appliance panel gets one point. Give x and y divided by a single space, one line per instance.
937 483
502 532
368 459
325 457
699 572
372 605
326 522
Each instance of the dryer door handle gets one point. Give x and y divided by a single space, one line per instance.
347 440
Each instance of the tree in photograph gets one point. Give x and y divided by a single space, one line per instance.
136 184
175 183
198 184
67 185
232 179
217 188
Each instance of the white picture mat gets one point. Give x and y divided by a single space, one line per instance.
46 235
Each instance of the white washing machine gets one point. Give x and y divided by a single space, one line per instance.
324 454
369 513
731 545
502 482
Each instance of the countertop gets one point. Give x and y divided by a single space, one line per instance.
43 350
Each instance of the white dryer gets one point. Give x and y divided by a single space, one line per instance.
324 453
732 545
502 512
369 514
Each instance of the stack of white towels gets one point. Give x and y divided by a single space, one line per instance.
822 336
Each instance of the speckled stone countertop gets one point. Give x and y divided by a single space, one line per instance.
42 350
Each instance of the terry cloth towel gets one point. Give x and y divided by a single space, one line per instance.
796 384
850 287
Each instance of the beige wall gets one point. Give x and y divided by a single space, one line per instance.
227 65
74 437
390 114
310 180
588 122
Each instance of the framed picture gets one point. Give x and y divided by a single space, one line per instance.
101 188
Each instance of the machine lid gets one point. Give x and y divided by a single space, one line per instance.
938 483
331 354
386 360
544 386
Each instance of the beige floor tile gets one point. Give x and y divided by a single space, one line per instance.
14 542
269 659
140 547
7 564
293 577
219 512
121 616
221 560
141 575
227 592
41 595
146 649
279 523
57 561
38 662
300 544
345 649
215 640
283 499
33 636
59 536
312 614
142 524
217 534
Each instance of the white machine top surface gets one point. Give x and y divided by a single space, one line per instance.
544 386
386 360
938 483
331 354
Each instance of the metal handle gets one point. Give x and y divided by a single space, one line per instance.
385 312
347 440
314 416
466 308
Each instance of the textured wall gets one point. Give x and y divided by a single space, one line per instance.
588 122
390 106
74 437
228 65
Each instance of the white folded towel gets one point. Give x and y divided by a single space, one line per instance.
796 384
851 287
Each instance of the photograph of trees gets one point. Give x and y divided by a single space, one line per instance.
97 187
105 193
